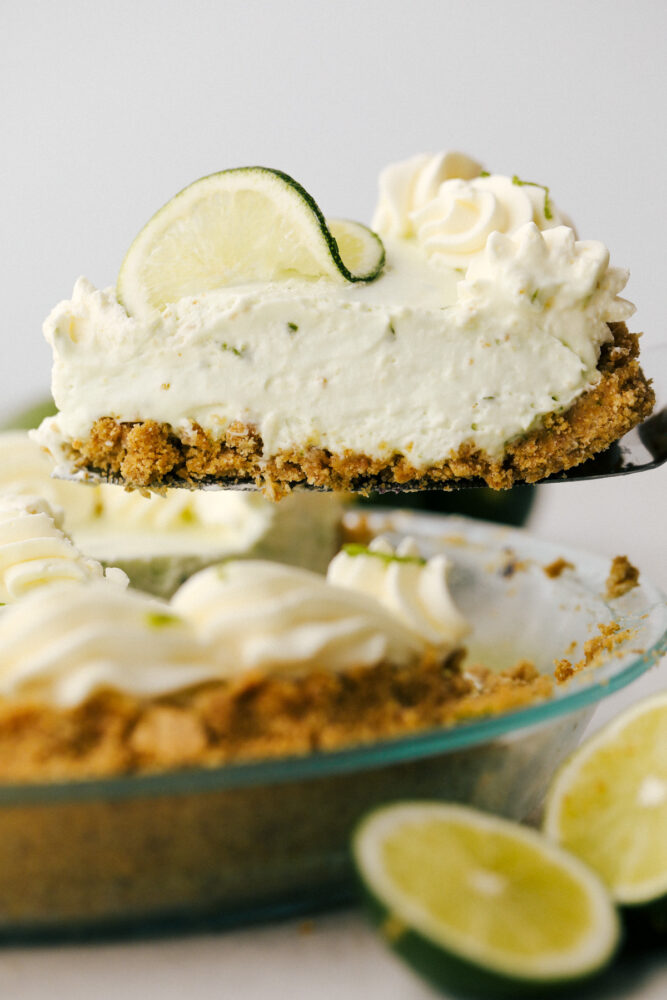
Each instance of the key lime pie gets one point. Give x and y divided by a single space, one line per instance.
251 341
159 541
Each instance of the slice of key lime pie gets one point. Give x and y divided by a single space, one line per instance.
251 341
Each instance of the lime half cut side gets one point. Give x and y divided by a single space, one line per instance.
608 804
249 224
481 905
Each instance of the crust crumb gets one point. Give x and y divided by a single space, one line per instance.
596 650
166 736
558 566
623 576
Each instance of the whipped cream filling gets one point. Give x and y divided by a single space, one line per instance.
66 642
128 525
418 362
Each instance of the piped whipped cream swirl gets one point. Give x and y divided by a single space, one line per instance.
62 645
35 552
256 615
407 186
414 589
565 282
452 212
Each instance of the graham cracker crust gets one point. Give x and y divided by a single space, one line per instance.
151 455
254 717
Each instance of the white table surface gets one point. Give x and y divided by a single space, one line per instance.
336 955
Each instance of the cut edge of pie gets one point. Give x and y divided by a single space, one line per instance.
151 455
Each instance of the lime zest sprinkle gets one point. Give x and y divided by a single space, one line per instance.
357 549
239 352
292 327
161 619
548 214
222 568
534 295
484 173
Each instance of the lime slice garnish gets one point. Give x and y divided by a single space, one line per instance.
608 805
361 250
481 905
238 226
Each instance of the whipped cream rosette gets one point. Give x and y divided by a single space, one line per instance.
408 186
450 207
26 470
256 615
412 588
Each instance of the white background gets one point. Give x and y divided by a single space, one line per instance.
108 109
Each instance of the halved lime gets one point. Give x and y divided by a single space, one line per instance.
608 805
481 905
237 226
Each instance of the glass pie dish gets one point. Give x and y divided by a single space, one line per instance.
248 840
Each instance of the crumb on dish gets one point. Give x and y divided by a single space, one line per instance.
557 567
595 650
623 576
